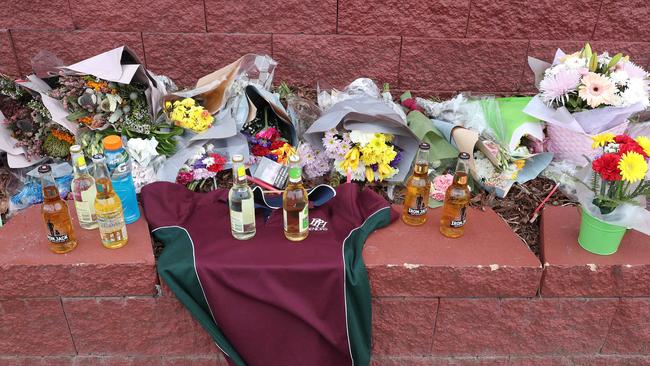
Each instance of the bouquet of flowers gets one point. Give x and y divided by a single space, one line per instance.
30 125
368 156
201 169
96 103
623 163
268 143
586 80
189 114
584 94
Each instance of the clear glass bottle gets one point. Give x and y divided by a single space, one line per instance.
457 196
83 190
416 201
241 203
295 204
56 216
108 207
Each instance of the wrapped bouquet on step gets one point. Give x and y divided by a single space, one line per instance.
27 133
110 93
584 94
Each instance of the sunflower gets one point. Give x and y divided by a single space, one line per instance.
602 139
633 166
645 144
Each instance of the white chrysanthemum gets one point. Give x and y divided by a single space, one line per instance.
636 92
361 137
619 77
604 58
575 63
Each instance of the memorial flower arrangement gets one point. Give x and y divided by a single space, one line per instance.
97 104
368 156
611 192
439 186
200 169
268 143
586 80
189 114
29 123
619 172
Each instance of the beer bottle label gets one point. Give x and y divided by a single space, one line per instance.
460 220
303 219
54 234
419 207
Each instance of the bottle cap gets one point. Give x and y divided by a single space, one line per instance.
424 146
112 142
294 158
464 156
44 169
75 149
237 158
98 157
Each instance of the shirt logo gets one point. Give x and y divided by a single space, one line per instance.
317 224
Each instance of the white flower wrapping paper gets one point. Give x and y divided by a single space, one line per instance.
589 122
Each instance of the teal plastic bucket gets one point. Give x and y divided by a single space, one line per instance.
599 237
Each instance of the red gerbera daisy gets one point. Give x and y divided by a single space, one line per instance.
607 167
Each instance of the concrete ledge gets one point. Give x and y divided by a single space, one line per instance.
489 261
29 269
571 271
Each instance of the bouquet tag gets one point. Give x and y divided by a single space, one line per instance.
271 172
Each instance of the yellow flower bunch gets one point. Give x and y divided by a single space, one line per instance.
602 139
378 152
188 114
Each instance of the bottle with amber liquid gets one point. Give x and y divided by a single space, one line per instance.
295 204
108 207
457 196
55 215
416 201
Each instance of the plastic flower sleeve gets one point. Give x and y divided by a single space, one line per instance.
628 215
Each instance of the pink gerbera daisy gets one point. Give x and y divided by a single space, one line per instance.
596 90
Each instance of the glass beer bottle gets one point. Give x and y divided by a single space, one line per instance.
108 207
55 215
83 190
295 204
457 196
240 200
416 201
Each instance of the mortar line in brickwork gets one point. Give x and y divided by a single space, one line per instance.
399 62
337 17
435 324
609 328
205 16
144 51
469 13
600 8
67 323
13 50
519 85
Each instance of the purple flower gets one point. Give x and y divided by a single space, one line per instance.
199 164
396 160
272 157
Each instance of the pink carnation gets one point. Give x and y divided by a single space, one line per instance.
442 182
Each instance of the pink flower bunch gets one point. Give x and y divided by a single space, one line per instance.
439 186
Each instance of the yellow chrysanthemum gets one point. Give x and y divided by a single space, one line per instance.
370 174
602 139
645 144
351 161
633 166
